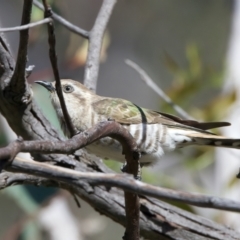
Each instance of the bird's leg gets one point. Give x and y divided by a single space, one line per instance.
139 174
124 167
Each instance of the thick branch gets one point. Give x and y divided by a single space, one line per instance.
158 220
6 64
102 129
122 181
26 121
18 83
95 44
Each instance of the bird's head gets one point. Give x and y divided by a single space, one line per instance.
75 94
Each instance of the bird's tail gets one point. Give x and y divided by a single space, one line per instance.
191 137
214 140
217 141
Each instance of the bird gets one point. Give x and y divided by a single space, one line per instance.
154 132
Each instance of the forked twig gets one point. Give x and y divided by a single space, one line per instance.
26 26
73 28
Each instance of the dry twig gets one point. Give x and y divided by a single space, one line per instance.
95 44
53 58
157 89
26 26
73 28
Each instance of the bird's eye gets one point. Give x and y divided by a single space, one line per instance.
68 89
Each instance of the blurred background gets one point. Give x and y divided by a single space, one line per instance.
190 48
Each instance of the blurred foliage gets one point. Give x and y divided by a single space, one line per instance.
26 226
38 14
77 53
40 31
189 84
194 80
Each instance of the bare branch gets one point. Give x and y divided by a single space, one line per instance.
18 83
159 220
157 89
53 58
95 44
73 28
26 26
102 129
132 206
6 64
122 181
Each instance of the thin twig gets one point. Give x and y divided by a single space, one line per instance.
53 58
18 82
26 26
157 89
73 28
122 181
95 44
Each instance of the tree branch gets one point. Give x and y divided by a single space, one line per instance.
53 58
102 129
18 83
158 220
26 120
122 181
26 26
73 28
95 44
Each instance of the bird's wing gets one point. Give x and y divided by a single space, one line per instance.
196 124
125 112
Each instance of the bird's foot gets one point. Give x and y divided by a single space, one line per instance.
139 173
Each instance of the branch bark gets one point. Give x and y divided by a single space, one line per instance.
158 220
95 44
122 181
18 82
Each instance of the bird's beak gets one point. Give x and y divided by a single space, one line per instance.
47 85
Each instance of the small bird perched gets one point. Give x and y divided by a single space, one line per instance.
155 133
